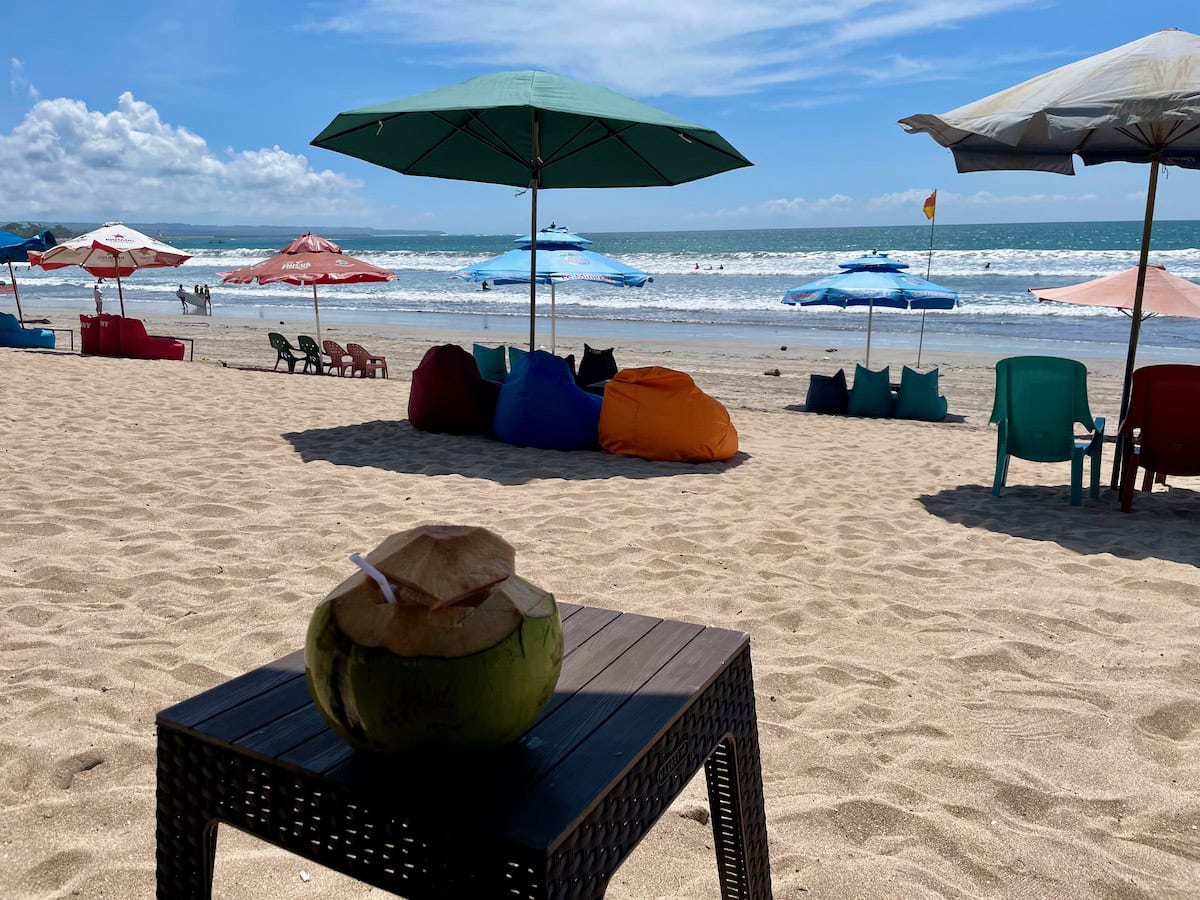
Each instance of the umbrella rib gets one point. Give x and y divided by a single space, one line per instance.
496 142
554 157
1148 140
615 135
499 145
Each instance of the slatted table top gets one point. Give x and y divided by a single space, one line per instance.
625 679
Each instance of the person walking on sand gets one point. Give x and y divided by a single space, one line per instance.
98 295
182 295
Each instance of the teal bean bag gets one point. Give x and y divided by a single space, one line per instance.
919 396
490 361
871 395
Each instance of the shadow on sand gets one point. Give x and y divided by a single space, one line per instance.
1163 525
395 446
951 418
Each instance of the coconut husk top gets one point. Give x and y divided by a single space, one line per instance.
456 593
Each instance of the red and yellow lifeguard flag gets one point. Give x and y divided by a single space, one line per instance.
930 206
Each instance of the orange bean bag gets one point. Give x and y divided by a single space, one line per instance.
658 413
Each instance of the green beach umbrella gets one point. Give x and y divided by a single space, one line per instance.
531 129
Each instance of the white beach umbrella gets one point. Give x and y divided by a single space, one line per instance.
112 250
1138 103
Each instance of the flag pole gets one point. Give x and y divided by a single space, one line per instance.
931 211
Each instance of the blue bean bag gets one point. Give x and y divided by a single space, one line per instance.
13 335
540 406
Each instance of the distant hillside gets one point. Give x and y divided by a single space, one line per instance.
29 229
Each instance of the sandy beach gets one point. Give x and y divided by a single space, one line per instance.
958 695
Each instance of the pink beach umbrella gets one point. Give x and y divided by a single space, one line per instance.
112 250
309 259
1164 294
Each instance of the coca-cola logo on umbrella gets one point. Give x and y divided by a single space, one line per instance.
296 265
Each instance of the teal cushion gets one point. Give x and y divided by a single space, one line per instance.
871 395
515 355
919 396
490 361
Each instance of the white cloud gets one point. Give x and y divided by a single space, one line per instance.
18 83
840 208
792 210
66 161
914 197
701 48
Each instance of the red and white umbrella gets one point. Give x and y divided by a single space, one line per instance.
309 259
112 250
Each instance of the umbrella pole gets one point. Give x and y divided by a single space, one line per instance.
317 313
120 294
1135 324
552 317
870 315
921 341
16 294
535 172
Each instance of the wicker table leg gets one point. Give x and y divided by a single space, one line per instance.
186 837
735 799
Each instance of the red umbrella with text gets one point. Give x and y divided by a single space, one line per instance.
309 259
111 251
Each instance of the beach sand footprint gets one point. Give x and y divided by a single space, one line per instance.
67 769
1176 720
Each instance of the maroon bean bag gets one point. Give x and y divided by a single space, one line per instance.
449 395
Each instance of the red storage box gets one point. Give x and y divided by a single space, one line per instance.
136 343
89 334
110 335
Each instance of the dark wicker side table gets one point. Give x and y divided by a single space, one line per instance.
641 704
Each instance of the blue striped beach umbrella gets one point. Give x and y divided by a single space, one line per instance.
14 248
561 257
870 281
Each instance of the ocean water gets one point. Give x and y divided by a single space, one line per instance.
709 284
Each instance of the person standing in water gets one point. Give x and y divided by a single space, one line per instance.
98 295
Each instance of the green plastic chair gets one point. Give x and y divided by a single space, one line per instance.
1039 400
312 354
285 352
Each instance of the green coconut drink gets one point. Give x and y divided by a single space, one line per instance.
435 645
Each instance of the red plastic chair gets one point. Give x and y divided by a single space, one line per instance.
339 359
364 362
1161 430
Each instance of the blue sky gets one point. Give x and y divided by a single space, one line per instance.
202 111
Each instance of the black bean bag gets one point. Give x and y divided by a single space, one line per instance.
449 395
596 365
828 394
